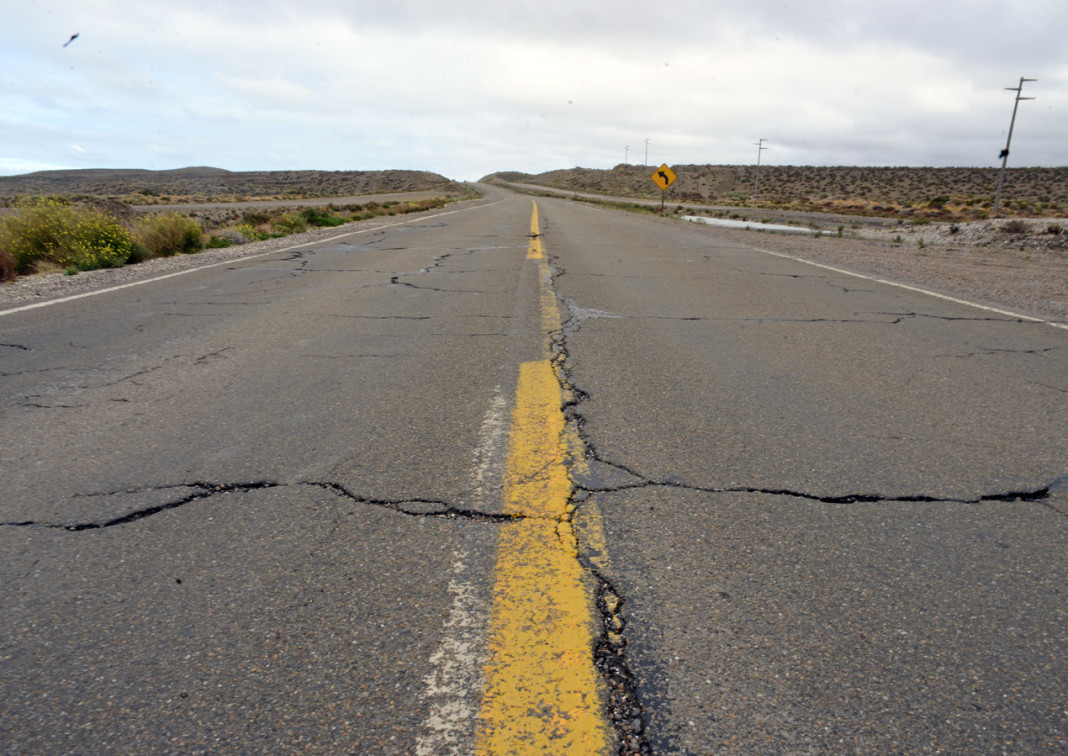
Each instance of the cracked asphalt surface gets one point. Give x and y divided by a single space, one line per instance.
237 505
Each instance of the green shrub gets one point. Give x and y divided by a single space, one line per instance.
249 232
256 217
290 223
75 238
7 265
318 217
168 234
139 254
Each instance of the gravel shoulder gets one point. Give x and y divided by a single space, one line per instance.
1027 274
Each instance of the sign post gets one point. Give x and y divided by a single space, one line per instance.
664 177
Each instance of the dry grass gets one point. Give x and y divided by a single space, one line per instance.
946 194
202 185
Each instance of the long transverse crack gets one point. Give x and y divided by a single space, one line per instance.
1037 494
417 507
874 318
201 491
414 506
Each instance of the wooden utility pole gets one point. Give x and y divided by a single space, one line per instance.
756 184
1005 152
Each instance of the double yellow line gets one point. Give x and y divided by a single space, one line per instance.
543 694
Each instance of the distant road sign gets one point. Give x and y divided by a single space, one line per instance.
664 177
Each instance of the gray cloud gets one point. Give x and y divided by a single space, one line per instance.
467 87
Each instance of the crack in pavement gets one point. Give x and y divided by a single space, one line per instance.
201 492
1038 494
219 354
743 271
991 352
956 318
35 405
78 387
30 372
579 315
416 507
353 356
439 260
1051 388
378 317
395 281
623 704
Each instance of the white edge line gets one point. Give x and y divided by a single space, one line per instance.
72 297
917 289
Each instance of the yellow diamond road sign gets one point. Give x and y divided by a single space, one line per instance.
664 177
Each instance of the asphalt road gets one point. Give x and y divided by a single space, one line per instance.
265 507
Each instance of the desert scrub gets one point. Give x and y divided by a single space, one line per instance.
7 265
75 238
316 216
250 233
291 223
168 234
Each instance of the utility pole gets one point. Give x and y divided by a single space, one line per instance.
646 163
626 155
1005 152
756 184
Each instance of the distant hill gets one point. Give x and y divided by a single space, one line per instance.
203 183
931 192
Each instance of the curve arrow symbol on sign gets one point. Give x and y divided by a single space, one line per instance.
664 177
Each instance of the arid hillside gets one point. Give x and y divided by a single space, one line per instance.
932 193
195 185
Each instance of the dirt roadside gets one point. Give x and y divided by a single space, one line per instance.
980 264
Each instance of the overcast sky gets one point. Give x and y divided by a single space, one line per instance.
466 87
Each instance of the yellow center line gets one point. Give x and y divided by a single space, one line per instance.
543 694
550 313
534 250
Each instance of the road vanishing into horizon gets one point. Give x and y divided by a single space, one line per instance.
522 477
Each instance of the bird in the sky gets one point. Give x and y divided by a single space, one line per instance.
72 38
